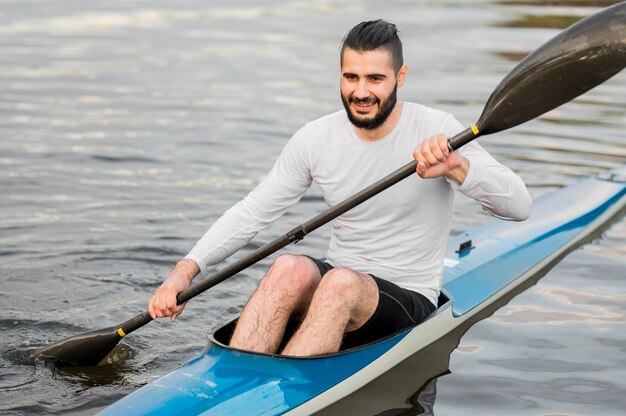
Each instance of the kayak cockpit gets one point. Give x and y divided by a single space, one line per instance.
222 335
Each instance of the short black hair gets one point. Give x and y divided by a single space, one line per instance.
374 34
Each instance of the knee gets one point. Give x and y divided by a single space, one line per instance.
341 284
290 274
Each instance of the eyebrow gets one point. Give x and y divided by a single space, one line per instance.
376 75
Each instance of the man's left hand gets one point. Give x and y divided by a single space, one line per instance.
434 159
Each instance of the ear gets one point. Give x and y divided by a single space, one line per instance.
401 75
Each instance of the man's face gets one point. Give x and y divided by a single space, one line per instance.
368 87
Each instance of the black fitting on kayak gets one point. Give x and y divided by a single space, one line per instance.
296 234
464 248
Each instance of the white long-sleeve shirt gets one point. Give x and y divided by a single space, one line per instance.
400 234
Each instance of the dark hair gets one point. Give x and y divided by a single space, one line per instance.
368 36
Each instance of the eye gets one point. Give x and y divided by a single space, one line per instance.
350 77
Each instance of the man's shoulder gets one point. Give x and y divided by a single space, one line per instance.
331 120
322 128
430 120
425 112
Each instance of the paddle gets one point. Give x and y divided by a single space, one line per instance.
580 58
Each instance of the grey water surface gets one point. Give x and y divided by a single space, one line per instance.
127 127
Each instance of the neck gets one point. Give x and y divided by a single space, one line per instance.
384 129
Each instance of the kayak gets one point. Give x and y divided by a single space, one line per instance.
482 268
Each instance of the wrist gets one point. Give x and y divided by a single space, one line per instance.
187 269
459 173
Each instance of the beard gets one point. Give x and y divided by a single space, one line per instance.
385 107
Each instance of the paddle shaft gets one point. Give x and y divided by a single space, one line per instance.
298 233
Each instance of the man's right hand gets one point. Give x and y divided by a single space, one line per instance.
163 303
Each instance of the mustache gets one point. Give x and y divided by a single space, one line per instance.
364 101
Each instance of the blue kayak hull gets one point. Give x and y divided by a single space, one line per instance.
502 257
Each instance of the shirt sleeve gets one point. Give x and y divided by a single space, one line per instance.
280 189
496 187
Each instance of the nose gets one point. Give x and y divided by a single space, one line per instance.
361 90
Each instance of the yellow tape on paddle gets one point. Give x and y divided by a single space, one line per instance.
474 129
121 332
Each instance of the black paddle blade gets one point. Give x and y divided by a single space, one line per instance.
80 350
583 56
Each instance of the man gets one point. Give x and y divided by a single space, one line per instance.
384 264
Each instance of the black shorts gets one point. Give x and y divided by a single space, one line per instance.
398 308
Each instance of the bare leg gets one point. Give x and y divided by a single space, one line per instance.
343 301
286 289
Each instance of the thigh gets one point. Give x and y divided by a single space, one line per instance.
398 308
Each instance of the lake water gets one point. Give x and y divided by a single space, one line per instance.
127 127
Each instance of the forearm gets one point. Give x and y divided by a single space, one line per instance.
498 189
232 231
238 226
281 188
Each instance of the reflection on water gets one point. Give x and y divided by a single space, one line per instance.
581 307
543 21
422 402
512 56
575 3
129 127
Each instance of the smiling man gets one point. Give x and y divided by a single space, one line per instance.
383 268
